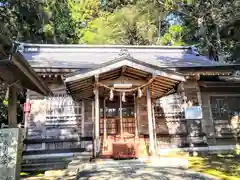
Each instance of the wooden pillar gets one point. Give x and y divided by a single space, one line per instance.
150 122
93 132
154 127
26 115
97 135
104 125
12 107
121 117
136 114
82 122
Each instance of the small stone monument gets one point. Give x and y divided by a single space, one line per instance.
10 154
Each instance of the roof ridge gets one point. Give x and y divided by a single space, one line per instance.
100 46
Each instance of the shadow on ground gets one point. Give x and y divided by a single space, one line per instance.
138 172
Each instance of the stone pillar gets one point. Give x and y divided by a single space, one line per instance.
10 156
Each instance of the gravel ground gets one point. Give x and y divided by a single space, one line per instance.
138 171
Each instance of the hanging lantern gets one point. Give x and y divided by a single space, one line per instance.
123 97
111 95
139 93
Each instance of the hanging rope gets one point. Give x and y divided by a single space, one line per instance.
9 85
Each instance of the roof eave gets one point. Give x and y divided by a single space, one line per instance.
19 61
225 67
118 64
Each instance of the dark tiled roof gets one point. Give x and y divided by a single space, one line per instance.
83 56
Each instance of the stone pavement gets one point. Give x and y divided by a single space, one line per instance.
133 169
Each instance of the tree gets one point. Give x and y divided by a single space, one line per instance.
36 21
81 14
3 105
128 25
206 21
174 36
213 25
57 24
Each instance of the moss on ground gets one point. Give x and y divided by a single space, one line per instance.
224 167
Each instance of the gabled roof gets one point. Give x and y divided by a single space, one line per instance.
124 61
80 84
89 56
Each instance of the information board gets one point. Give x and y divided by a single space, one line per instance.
194 112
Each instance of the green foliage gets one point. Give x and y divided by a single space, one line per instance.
173 36
3 110
237 149
129 25
81 13
212 24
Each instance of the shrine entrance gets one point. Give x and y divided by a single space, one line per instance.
118 123
118 90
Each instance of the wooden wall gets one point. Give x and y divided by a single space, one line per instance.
220 106
172 129
56 126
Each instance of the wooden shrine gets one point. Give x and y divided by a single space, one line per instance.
125 102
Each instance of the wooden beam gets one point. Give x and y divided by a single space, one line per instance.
127 74
83 90
139 73
157 88
123 70
166 79
81 86
124 80
97 118
79 83
110 76
165 84
12 107
150 122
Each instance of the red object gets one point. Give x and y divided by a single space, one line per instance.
125 150
27 106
